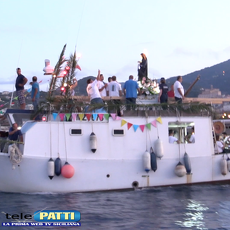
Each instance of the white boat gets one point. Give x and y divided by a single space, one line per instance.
119 161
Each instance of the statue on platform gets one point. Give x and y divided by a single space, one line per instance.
143 67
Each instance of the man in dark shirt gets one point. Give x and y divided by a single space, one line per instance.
15 133
19 85
163 96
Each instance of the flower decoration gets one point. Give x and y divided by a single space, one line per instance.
148 87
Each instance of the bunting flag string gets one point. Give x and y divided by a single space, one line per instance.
123 122
106 116
154 123
94 116
113 115
74 116
54 116
118 118
129 125
61 115
148 126
159 120
142 127
88 115
81 116
67 115
101 117
135 127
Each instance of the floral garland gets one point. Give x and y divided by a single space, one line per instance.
148 87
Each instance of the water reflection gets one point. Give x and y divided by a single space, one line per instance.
194 215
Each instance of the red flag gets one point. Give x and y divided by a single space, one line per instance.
88 116
78 67
39 82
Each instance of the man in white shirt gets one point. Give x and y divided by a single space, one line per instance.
179 90
93 91
192 137
102 86
114 90
172 139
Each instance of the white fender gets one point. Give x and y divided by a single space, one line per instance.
180 170
147 161
223 166
93 142
159 150
51 168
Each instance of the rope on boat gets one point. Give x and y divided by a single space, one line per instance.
15 155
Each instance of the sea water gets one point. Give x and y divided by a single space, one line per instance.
179 207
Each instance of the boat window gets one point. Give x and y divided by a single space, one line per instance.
118 132
181 132
75 132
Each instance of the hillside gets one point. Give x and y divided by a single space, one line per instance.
217 75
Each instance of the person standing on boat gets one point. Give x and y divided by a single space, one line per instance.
15 134
114 90
179 90
172 139
218 146
93 91
102 86
191 139
163 95
130 91
19 85
35 93
143 67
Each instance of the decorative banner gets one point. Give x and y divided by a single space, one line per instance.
54 116
88 115
129 125
113 115
101 116
154 123
106 116
148 126
123 122
142 127
61 115
118 118
15 98
74 116
67 115
159 120
81 115
135 127
94 116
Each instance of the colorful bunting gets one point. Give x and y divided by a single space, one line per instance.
142 127
15 98
129 125
88 115
123 122
159 120
106 116
154 123
148 126
113 115
101 116
94 116
118 118
67 115
29 90
81 115
61 115
54 116
74 116
135 127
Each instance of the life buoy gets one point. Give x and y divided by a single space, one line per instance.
51 168
180 170
159 150
146 161
187 163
